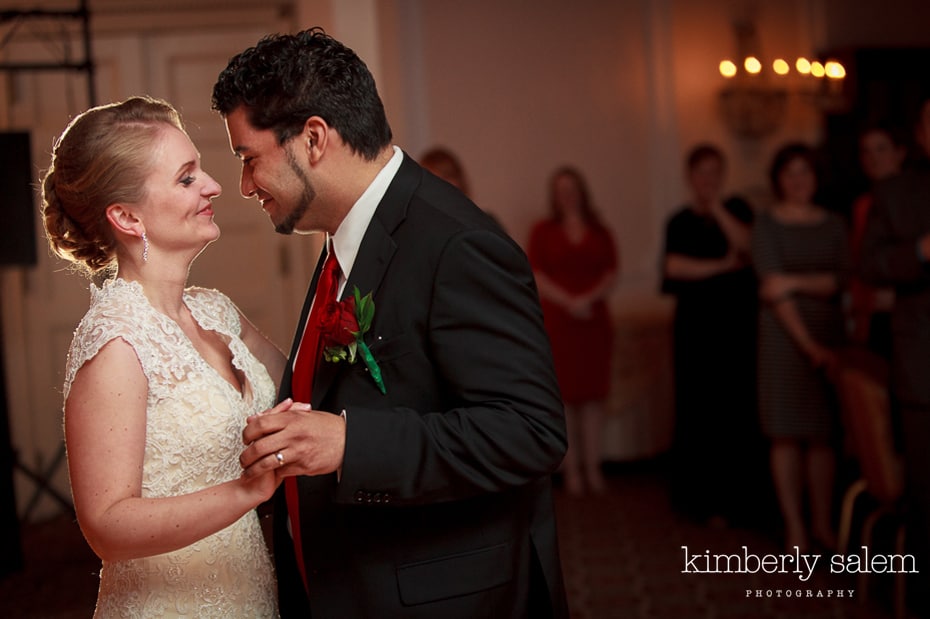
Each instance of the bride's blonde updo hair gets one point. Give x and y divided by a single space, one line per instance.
103 157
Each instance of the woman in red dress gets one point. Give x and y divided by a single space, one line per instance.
575 262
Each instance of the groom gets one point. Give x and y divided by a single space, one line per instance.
419 484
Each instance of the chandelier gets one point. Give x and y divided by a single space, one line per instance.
754 99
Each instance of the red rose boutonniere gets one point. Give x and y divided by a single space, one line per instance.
342 327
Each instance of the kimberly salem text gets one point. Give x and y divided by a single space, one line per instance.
801 564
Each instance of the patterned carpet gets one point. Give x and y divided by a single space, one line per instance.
622 553
623 557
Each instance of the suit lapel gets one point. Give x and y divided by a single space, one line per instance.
374 255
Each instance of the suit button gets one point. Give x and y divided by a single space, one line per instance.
386 498
359 496
377 497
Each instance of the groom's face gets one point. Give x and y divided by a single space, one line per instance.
273 174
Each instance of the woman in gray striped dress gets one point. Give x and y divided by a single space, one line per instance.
801 257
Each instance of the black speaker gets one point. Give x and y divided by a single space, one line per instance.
18 231
17 248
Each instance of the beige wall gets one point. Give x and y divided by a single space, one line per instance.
518 88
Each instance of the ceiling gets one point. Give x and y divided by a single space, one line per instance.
121 15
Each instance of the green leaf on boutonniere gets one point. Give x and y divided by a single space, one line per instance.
364 311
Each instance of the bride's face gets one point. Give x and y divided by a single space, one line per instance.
178 211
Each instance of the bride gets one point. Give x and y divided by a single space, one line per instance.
160 378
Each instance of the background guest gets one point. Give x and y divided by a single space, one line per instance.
882 153
706 267
896 252
801 256
575 261
444 164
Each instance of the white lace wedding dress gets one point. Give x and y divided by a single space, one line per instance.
193 440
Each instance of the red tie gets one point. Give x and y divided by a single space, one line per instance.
302 385
309 352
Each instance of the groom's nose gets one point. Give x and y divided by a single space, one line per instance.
246 184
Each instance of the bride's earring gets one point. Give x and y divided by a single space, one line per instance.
145 248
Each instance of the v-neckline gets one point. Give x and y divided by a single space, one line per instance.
245 387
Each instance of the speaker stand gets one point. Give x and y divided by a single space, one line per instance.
11 559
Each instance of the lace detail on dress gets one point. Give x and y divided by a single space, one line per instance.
193 440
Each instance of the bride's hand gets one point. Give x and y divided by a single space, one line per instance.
284 405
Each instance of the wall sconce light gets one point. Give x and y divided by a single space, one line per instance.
754 100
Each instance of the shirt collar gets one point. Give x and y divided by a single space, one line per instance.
348 236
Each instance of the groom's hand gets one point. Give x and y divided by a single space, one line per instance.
309 442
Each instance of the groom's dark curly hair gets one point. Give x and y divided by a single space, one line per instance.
285 79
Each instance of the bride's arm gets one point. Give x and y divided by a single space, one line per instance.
105 417
263 348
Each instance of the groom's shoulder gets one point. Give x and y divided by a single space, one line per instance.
435 212
445 209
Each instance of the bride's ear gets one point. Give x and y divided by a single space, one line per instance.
124 221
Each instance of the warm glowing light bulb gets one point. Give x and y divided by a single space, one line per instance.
835 70
780 67
752 64
727 68
803 66
817 69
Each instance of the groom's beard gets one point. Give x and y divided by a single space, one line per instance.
307 196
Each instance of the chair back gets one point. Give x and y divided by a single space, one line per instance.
862 386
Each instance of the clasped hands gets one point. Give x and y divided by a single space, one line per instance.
292 439
776 288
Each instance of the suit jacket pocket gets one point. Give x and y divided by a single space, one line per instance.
392 347
455 575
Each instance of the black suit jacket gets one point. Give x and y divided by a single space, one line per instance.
899 216
444 505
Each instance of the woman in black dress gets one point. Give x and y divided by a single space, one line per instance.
706 267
